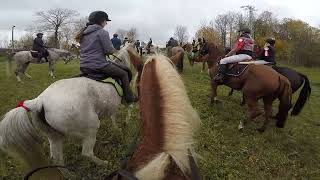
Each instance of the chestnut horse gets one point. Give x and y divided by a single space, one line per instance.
295 78
192 57
257 82
168 123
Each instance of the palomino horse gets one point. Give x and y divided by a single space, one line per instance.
68 107
168 124
24 58
172 51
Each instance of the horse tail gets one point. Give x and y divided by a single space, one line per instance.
19 137
303 96
285 96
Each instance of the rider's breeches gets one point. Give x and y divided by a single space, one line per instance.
235 58
117 73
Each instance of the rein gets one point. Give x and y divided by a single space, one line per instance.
117 57
29 174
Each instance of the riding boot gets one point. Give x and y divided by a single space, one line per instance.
46 59
129 97
219 78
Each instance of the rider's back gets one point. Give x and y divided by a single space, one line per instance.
94 46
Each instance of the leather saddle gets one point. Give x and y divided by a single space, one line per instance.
98 76
34 54
236 69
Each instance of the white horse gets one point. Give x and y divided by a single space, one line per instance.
24 58
68 107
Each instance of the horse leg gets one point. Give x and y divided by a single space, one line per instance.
128 117
214 98
113 119
253 111
56 149
87 148
231 92
267 101
243 102
51 68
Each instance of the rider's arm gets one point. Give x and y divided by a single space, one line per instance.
40 43
239 45
106 42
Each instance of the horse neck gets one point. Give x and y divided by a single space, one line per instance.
152 120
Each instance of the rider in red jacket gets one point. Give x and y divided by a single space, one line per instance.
243 50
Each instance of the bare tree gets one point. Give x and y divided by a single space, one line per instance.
221 23
132 34
231 20
181 34
55 19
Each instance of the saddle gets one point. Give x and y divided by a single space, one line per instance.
34 54
103 78
236 69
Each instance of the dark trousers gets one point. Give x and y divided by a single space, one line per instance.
42 53
116 72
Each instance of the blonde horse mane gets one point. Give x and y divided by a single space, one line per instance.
180 122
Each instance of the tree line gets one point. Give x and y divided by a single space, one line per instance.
296 41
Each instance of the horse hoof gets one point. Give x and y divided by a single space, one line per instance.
261 130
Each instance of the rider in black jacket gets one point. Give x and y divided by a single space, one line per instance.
269 52
39 46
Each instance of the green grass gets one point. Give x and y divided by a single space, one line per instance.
289 153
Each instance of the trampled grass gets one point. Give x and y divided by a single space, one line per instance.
226 153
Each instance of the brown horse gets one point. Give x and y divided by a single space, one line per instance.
257 82
192 58
168 123
172 51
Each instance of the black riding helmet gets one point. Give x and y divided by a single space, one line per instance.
245 30
271 41
97 17
39 34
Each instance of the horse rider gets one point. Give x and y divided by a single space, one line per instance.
268 53
116 42
137 44
243 50
38 45
149 46
95 44
125 41
172 42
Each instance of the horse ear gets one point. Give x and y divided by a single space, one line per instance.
176 58
135 60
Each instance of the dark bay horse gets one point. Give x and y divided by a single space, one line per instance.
165 150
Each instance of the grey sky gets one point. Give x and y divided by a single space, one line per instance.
152 18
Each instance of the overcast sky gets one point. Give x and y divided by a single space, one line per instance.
152 18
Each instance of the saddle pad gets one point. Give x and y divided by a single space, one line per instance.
115 84
236 69
257 62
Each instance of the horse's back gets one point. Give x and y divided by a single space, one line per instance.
263 77
70 104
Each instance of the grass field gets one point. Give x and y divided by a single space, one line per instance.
289 153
